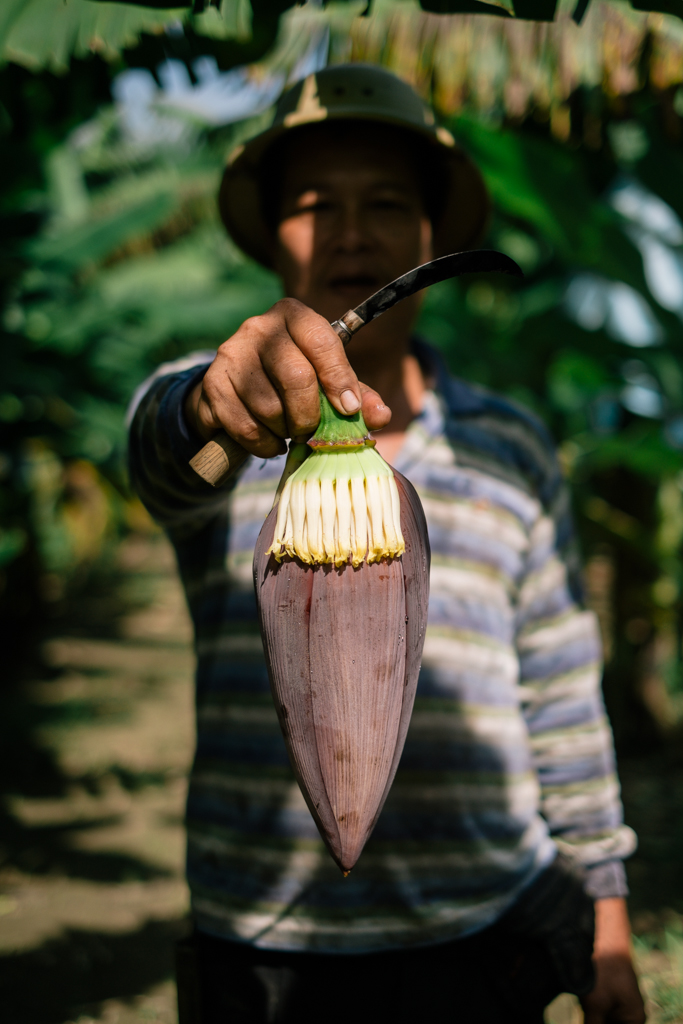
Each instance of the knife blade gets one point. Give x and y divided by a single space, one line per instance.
477 261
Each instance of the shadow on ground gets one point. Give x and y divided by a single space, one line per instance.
95 741
28 769
72 976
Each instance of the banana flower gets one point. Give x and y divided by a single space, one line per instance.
341 571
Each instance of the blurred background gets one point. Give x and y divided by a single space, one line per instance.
115 120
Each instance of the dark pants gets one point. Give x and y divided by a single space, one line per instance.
505 974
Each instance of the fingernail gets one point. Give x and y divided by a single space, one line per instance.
349 401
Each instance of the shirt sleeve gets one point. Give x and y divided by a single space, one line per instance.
560 657
161 446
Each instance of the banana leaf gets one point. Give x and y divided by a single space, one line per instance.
47 33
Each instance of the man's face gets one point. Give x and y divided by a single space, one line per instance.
352 217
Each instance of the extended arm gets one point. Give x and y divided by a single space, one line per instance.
261 387
161 445
572 748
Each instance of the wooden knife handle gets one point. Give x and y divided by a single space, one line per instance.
221 455
218 458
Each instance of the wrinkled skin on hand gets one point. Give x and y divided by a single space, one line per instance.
262 387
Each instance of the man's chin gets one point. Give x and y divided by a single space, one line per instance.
332 301
345 297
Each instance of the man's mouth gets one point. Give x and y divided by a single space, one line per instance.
357 282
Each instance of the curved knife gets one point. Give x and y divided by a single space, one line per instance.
480 261
222 454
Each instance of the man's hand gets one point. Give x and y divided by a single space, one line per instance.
616 998
263 384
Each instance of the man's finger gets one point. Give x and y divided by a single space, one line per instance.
324 350
253 435
227 410
375 413
296 382
258 394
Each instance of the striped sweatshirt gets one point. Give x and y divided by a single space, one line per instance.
509 754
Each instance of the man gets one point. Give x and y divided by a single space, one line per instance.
461 907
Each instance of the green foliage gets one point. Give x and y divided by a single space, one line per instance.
517 337
663 986
103 299
545 186
129 268
47 33
120 264
40 33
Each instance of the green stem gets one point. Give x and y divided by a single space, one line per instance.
337 431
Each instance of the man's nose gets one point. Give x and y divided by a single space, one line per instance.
353 233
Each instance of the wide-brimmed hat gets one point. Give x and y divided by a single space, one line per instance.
353 92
